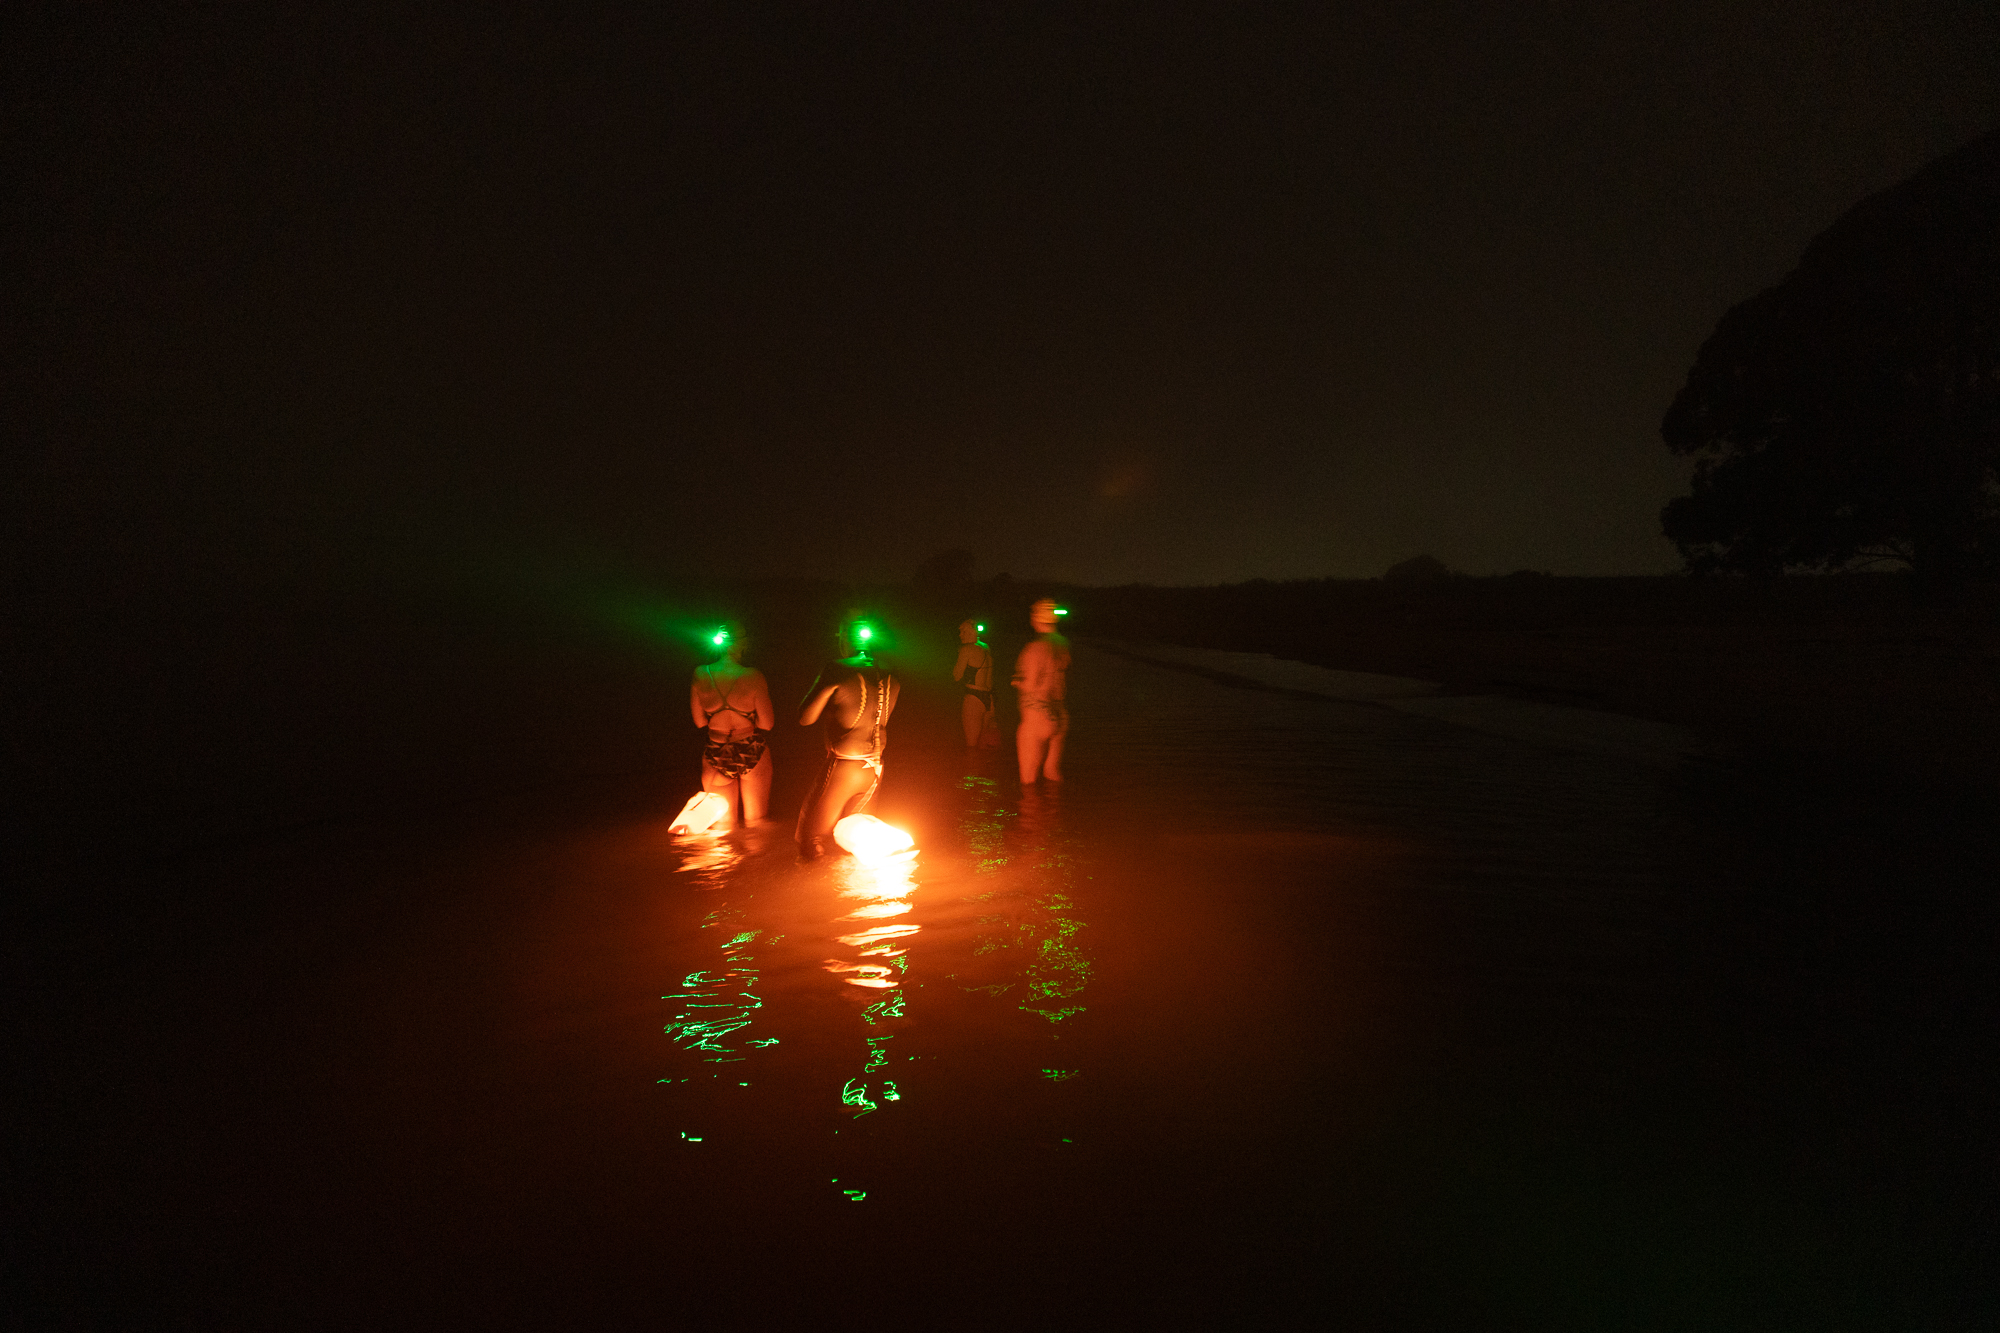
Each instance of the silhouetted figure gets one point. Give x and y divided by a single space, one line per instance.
974 673
733 702
1040 682
853 698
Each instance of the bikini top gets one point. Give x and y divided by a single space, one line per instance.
726 706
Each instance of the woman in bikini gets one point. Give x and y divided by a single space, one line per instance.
733 703
974 673
853 698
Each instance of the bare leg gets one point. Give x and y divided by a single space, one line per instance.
1031 742
756 785
844 789
725 787
972 716
1052 765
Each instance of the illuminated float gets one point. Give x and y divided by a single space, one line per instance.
870 840
702 812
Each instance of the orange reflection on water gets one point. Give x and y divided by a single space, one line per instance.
887 886
878 936
875 910
707 852
873 975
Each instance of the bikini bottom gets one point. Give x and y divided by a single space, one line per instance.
733 759
845 787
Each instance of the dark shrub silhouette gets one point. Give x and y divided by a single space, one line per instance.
1417 569
1851 414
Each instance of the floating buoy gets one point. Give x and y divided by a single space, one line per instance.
869 839
703 810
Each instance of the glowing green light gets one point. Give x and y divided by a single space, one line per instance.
721 637
1062 610
864 633
855 1094
980 628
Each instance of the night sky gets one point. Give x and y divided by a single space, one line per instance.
1102 293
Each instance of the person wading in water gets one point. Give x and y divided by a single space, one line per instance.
733 703
853 698
1040 680
974 673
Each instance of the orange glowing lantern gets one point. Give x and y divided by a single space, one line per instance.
870 840
700 813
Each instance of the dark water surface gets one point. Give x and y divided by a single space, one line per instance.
1282 1010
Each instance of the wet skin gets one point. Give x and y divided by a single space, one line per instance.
1040 684
744 688
973 712
853 700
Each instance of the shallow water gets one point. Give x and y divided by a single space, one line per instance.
1278 1003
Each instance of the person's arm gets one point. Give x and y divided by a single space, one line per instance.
966 658
694 702
763 715
815 702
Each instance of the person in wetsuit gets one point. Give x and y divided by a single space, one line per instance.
852 700
733 704
1041 682
974 673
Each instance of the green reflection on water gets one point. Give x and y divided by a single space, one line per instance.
1031 943
985 824
890 1006
717 1004
855 1094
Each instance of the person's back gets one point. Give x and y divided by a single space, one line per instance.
855 719
732 703
851 702
726 695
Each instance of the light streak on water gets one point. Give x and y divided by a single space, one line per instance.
1006 896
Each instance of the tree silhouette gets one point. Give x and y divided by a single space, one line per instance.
1851 414
1417 569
